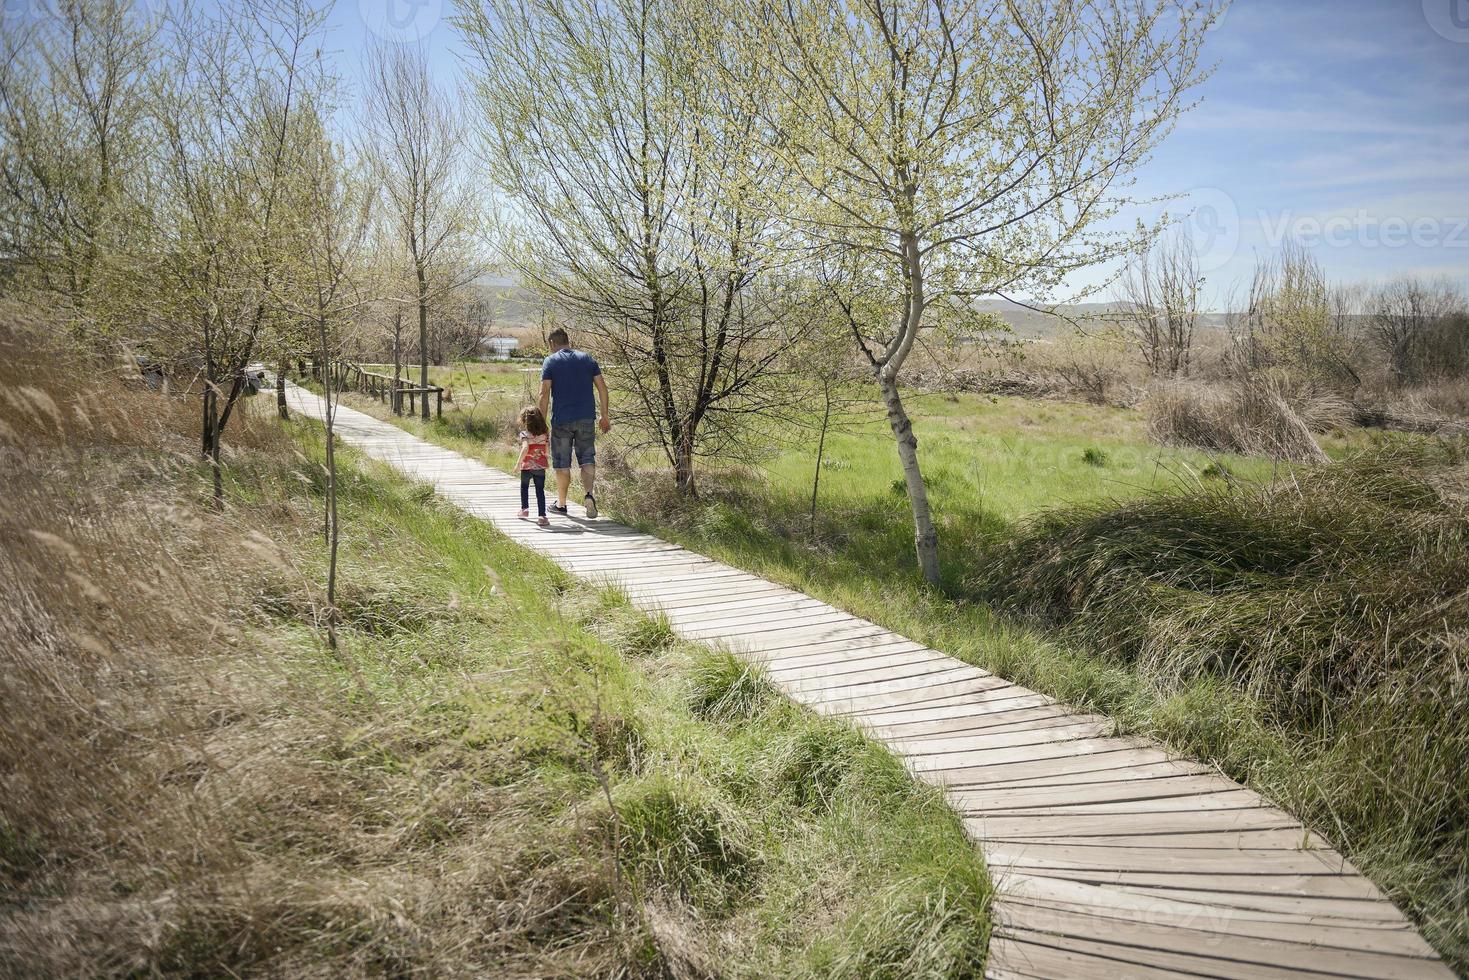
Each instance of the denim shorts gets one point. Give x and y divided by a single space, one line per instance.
581 435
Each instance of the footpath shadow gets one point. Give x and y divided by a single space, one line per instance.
586 527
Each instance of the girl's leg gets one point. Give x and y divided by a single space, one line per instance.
525 489
540 480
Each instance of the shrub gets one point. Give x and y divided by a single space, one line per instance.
723 687
680 835
1249 418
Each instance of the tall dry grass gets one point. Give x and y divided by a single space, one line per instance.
186 788
1252 418
494 774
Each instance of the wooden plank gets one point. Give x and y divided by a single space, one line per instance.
832 626
1164 825
687 595
808 645
969 738
1261 881
1206 912
832 653
1000 717
1123 757
991 801
1374 911
764 603
1308 932
928 749
1202 837
1234 953
1152 770
845 669
1010 956
926 670
743 622
915 691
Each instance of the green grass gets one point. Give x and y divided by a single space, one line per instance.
995 465
496 771
709 816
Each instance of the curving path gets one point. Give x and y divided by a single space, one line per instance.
1110 857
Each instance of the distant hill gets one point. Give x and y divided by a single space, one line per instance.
517 306
1033 324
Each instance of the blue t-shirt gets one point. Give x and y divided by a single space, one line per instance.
571 372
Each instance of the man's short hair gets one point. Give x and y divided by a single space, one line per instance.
559 336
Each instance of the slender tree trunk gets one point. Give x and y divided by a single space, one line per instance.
820 452
925 537
280 387
397 363
206 430
211 441
211 417
423 339
683 461
329 416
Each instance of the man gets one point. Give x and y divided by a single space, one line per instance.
567 379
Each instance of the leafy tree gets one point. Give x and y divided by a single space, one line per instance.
229 89
633 178
935 151
73 149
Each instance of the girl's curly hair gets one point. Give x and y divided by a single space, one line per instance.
532 421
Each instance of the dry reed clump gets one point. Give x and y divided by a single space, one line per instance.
1248 418
1441 410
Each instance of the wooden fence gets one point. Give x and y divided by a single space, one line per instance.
386 388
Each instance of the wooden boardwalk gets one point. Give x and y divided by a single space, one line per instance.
1111 858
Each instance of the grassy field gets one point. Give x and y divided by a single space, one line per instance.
497 772
1011 474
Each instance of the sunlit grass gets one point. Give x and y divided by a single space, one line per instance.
993 465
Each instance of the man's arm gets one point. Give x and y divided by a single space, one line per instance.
544 402
602 397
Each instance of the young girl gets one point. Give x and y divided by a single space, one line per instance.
534 446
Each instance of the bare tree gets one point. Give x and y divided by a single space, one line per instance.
1294 322
633 177
1160 292
414 138
942 150
1413 321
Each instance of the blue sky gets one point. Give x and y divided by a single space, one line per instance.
1341 123
1344 124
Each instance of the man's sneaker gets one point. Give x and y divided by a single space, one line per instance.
591 503
557 509
543 521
